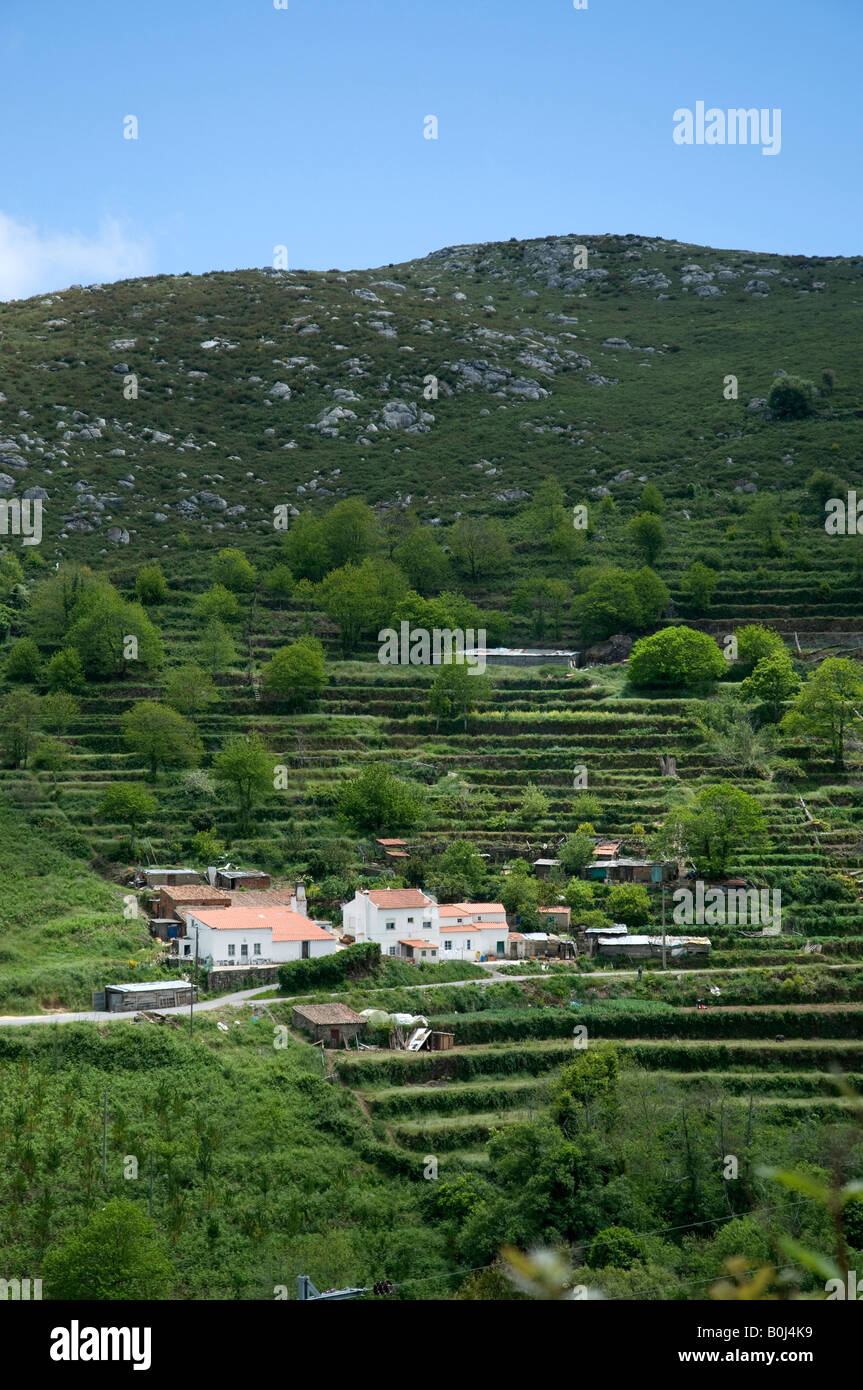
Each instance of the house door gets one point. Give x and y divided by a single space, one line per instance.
501 948
304 950
334 1035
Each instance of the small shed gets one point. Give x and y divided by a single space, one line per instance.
331 1024
158 878
543 867
173 896
235 880
150 994
558 917
516 946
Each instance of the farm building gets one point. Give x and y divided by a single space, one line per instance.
328 1023
542 943
543 867
622 869
516 946
559 918
154 994
253 936
237 879
190 895
645 947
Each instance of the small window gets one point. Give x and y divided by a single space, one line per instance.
256 949
410 920
392 950
467 943
423 953
447 945
187 949
391 926
244 951
426 926
232 950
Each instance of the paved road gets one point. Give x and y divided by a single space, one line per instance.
244 996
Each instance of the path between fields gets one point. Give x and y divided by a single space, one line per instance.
245 996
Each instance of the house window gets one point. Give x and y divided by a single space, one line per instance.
426 926
467 943
392 950
232 950
423 953
410 921
244 951
391 926
447 945
187 949
256 949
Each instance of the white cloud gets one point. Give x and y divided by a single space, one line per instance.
35 262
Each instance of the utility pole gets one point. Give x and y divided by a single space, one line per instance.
663 927
307 1291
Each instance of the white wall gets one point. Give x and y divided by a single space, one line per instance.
215 942
365 921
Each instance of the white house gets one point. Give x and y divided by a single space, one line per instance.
250 935
403 921
471 930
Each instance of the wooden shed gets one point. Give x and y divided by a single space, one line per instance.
151 994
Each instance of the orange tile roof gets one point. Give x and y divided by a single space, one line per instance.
391 842
426 945
195 892
468 909
399 897
285 925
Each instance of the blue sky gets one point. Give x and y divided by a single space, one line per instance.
304 127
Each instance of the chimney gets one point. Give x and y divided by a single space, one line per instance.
293 902
301 899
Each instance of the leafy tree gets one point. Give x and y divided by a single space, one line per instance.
714 826
447 611
297 673
651 593
755 642
60 709
822 485
57 600
456 691
545 602
578 894
160 736
826 705
23 661
101 634
519 893
207 847
217 647
609 605
586 1089
629 903
306 549
233 570
576 853
20 720
675 658
350 532
361 597
762 520
534 803
647 533
64 670
652 499
546 513
151 586
129 803
51 755
699 584
218 603
189 689
479 547
377 801
772 682
246 767
791 398
618 1247
118 1255
459 872
279 581
423 561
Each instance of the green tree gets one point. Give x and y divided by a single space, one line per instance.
579 894
306 549
23 661
533 804
64 670
772 682
479 547
544 602
360 598
714 826
675 658
586 1089
51 755
576 853
160 736
60 709
279 581
826 705
699 584
151 586
245 766
459 873
377 801
651 593
216 647
57 600
350 532
456 691
128 803
791 398
754 642
20 720
629 903
423 561
608 605
652 499
108 631
217 603
116 1256
618 1247
822 486
232 570
297 673
647 533
189 689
